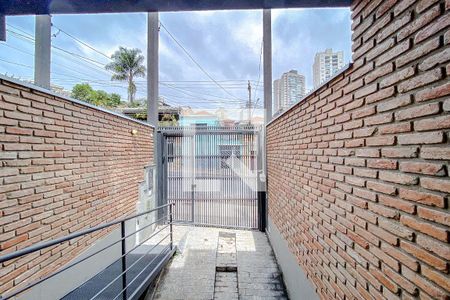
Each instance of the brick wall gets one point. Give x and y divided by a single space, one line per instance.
358 172
63 167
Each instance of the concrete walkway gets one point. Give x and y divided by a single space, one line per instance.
214 263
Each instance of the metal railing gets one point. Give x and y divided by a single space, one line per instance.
129 288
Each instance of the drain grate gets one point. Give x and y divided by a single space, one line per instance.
226 280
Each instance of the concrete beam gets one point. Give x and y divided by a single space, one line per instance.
42 51
33 7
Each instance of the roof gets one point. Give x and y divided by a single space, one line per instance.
22 7
140 110
192 113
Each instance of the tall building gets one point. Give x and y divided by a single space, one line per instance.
287 90
276 95
326 64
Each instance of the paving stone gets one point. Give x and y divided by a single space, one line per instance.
192 272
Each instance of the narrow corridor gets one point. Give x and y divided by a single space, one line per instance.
215 263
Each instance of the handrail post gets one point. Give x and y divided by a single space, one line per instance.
124 260
170 226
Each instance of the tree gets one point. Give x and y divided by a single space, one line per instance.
100 97
84 92
127 64
114 99
168 120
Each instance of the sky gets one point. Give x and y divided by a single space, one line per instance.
226 44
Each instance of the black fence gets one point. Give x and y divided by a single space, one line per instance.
132 270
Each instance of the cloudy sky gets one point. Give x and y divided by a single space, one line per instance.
227 44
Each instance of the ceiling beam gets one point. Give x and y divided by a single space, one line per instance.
35 7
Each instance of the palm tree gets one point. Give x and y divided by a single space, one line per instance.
127 64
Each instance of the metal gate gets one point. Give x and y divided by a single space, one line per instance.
211 174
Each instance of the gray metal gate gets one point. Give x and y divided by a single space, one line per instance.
210 174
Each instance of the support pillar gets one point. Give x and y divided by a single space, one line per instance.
2 28
267 51
267 67
152 68
152 103
42 51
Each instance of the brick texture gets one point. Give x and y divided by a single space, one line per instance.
64 167
361 195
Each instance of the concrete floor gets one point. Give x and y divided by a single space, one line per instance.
214 263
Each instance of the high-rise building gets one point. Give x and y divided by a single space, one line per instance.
276 95
287 90
326 64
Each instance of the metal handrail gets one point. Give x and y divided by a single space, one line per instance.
137 276
125 271
72 236
122 240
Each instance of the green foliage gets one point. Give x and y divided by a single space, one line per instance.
126 65
84 92
140 116
168 120
115 99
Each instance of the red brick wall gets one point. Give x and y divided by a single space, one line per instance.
63 167
358 173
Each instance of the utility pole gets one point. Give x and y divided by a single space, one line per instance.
42 51
249 104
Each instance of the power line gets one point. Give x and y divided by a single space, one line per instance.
31 39
19 29
20 35
55 63
259 71
205 81
55 73
83 59
200 100
84 63
81 42
17 49
193 98
187 84
203 93
189 93
17 64
195 62
78 79
79 56
196 100
195 103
